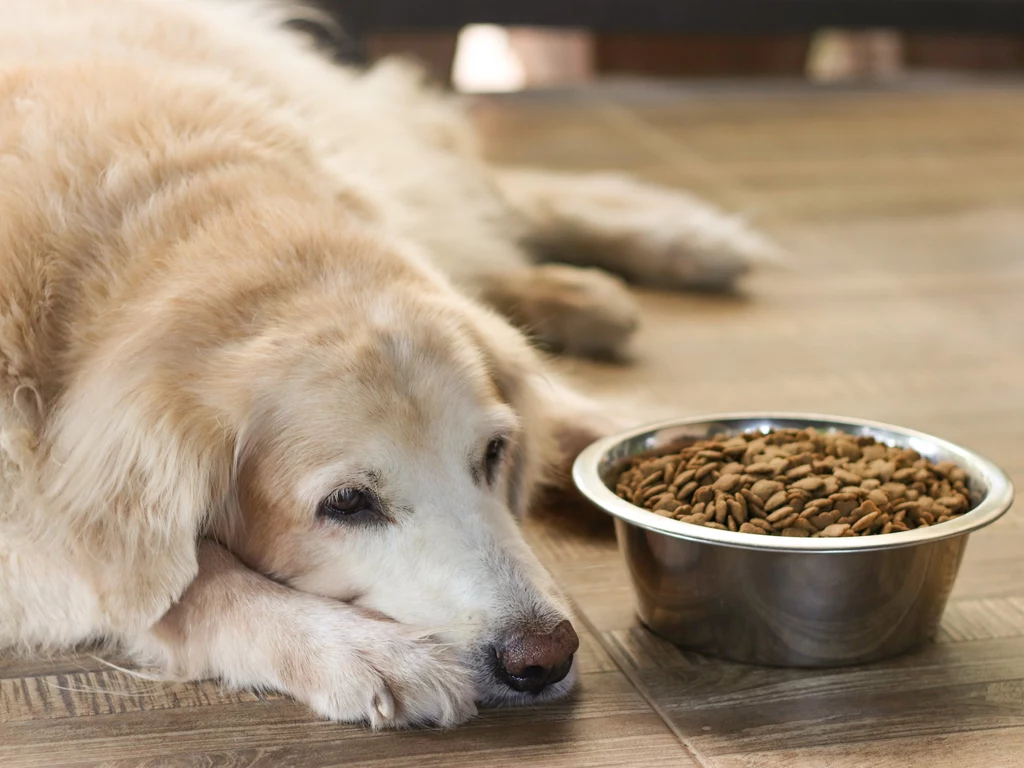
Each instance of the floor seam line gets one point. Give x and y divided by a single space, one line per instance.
691 749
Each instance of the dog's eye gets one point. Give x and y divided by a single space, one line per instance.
346 502
492 457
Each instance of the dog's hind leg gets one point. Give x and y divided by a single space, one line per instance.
649 235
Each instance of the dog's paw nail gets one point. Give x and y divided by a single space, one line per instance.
384 703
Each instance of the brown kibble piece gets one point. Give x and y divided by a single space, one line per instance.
704 494
752 500
872 452
830 485
834 530
721 510
737 511
687 490
654 490
884 470
847 449
824 520
667 502
894 490
865 522
780 513
777 500
703 474
845 507
651 479
796 502
741 500
809 484
727 483
799 472
786 522
878 497
685 476
711 454
748 528
847 477
765 489
952 503
867 508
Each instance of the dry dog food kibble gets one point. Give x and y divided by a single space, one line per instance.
793 482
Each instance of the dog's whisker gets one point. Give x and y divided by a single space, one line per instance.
131 672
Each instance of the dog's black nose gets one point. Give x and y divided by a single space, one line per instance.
531 661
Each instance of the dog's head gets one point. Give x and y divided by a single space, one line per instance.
341 420
388 446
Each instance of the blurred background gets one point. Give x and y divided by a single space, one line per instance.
510 45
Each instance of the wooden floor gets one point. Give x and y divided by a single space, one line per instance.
904 301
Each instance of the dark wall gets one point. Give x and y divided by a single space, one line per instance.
691 16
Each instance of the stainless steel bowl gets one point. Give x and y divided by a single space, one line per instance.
787 601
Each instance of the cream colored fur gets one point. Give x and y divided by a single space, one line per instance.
235 279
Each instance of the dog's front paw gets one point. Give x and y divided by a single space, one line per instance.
584 312
390 676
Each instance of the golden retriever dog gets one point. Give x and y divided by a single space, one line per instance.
266 413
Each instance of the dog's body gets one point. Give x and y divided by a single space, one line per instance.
233 309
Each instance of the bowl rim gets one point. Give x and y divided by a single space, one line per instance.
994 504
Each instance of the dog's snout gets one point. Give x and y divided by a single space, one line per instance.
531 661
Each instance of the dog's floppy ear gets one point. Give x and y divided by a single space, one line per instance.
133 467
514 369
557 421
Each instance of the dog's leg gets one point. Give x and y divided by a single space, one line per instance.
585 312
249 631
648 234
